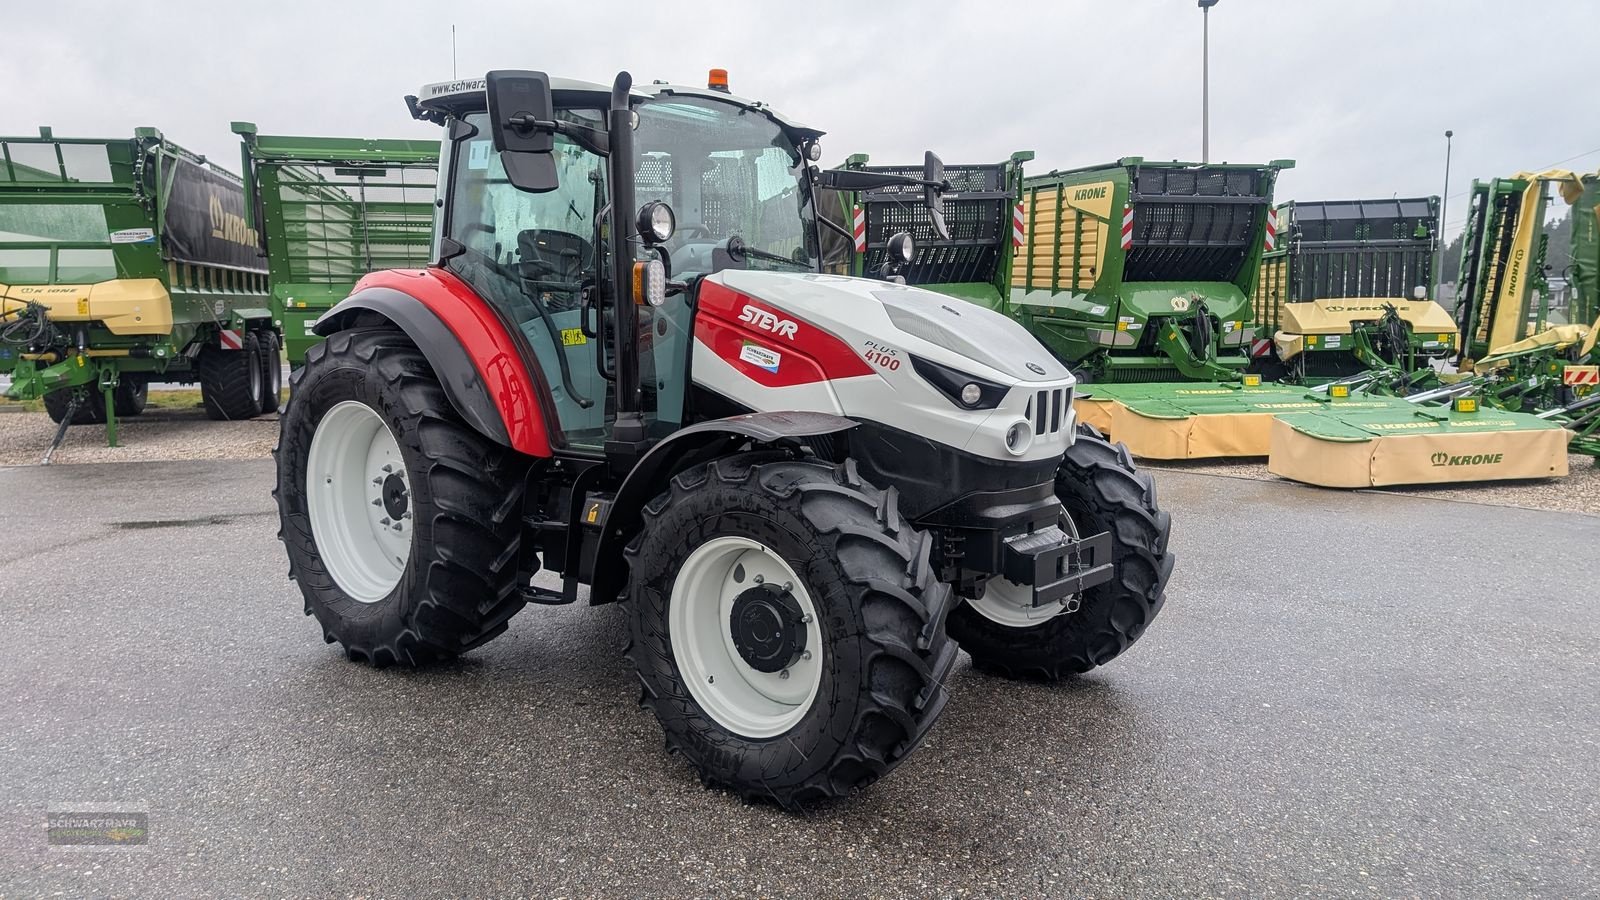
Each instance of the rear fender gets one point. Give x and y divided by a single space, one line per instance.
469 350
688 447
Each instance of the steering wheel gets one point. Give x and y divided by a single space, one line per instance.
539 307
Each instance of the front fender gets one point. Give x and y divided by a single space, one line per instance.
475 359
687 447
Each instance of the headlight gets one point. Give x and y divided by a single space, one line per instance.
656 222
966 391
1019 437
900 248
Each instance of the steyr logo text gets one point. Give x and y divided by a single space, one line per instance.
766 321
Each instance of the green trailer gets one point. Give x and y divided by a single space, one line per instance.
123 261
1131 272
1141 271
330 210
1345 289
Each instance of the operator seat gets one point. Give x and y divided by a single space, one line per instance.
552 262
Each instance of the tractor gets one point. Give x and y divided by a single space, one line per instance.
627 368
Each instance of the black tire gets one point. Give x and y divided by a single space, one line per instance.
1101 491
1269 367
91 410
230 380
132 394
882 611
271 372
460 584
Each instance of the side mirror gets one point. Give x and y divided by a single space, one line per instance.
520 115
933 193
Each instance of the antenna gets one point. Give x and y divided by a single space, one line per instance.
452 51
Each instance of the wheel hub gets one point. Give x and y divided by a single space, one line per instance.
396 499
769 628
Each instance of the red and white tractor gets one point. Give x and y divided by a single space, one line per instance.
806 488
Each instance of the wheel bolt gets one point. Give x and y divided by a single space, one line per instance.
805 654
377 501
398 526
788 586
387 469
378 480
384 520
784 674
805 619
759 580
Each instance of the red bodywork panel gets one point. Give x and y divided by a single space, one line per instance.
807 353
475 325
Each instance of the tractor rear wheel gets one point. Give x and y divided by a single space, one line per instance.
402 523
786 626
1101 490
230 380
271 372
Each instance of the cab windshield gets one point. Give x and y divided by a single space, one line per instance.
726 172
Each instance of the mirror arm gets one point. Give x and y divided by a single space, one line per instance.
866 181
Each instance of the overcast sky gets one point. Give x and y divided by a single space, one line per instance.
1358 92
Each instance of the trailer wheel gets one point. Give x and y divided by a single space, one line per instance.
132 394
271 372
1101 490
230 380
91 410
402 523
786 626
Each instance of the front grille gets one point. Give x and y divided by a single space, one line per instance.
1049 410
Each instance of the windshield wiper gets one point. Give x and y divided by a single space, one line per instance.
738 249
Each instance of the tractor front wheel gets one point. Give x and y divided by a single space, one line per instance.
1100 490
786 626
401 522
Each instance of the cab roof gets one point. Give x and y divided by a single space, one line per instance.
467 95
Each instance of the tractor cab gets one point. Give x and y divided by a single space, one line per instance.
720 182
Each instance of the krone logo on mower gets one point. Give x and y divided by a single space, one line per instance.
1477 459
766 321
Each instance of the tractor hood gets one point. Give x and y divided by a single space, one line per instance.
926 324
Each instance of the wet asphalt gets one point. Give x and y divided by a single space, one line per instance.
1347 694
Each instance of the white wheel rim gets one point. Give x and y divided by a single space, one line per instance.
1011 604
739 697
354 460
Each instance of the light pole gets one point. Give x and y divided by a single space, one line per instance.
1444 207
1205 80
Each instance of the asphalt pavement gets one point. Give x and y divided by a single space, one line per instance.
1347 694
